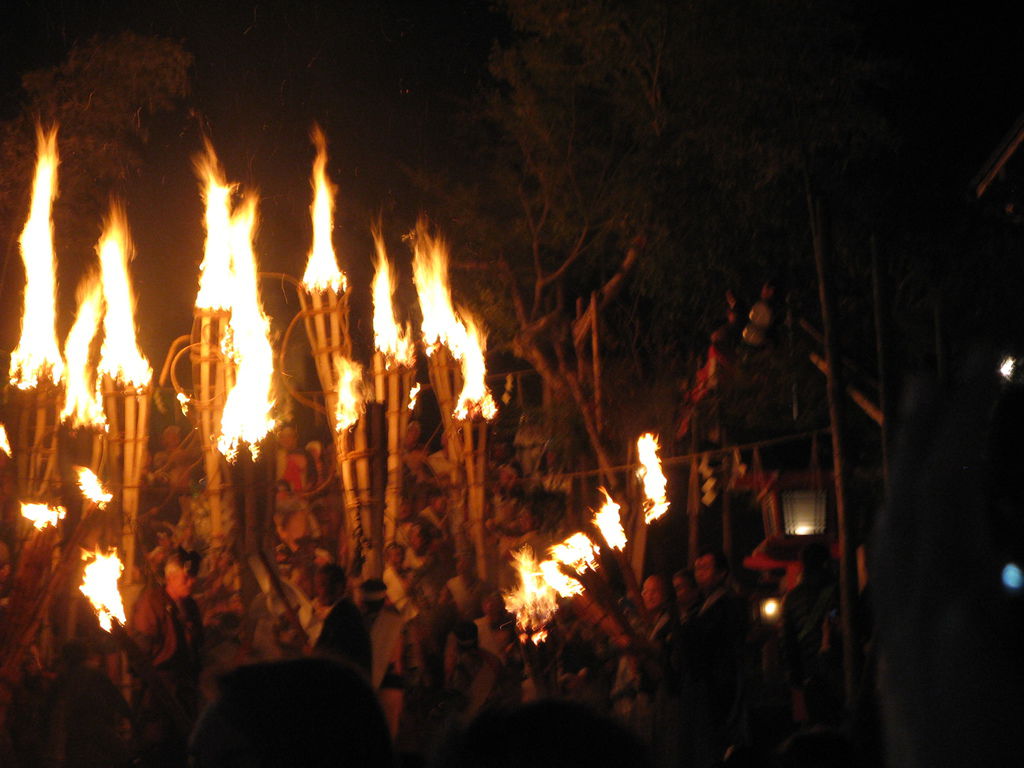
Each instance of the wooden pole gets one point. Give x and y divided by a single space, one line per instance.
834 386
693 495
880 352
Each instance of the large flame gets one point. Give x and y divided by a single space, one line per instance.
609 522
215 278
577 552
120 357
350 394
248 409
389 337
5 444
534 602
558 580
322 271
475 399
649 472
99 584
37 356
430 274
443 326
82 405
42 515
92 488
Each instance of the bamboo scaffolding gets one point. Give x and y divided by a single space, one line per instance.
36 447
213 378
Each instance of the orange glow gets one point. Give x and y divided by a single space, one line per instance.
350 394
655 503
99 584
609 522
534 602
5 444
475 399
577 552
37 356
82 406
564 585
322 271
247 416
215 279
42 515
442 326
389 337
92 488
120 357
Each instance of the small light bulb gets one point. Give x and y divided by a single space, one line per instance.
1006 368
1013 577
770 608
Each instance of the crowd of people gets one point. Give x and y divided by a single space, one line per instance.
431 637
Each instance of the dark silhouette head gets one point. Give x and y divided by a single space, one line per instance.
312 712
543 734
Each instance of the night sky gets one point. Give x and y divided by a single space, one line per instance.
388 82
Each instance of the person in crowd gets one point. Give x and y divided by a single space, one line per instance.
87 714
464 591
398 578
343 633
688 596
293 465
470 672
495 628
168 630
384 625
810 648
312 712
543 734
720 625
297 554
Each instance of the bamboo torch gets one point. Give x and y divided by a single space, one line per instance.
37 369
126 373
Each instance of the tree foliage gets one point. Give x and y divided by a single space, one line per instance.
667 144
101 97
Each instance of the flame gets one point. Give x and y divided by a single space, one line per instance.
577 552
655 503
215 278
414 392
441 325
247 411
558 580
5 444
120 357
183 402
99 584
92 488
389 337
609 522
534 603
37 356
475 399
42 515
350 394
82 405
322 271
